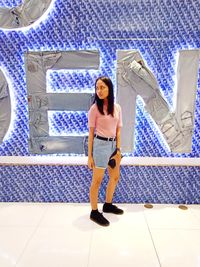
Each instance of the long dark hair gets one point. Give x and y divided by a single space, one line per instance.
99 102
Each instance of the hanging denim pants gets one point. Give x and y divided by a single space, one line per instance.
134 78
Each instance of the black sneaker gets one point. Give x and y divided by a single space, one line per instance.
98 218
110 208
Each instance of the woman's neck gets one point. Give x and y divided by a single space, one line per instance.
105 102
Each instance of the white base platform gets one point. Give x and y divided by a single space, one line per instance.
129 161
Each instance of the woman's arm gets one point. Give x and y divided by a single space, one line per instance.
90 147
118 137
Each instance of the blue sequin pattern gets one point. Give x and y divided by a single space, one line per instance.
158 29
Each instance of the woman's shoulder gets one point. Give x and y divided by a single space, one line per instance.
93 107
117 106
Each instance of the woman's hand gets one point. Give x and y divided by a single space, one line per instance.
90 162
118 156
118 151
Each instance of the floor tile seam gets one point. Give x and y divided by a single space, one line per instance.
152 240
193 213
196 216
18 226
19 204
90 248
66 226
25 246
25 225
174 228
189 211
30 238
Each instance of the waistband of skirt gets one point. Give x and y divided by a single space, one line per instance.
105 138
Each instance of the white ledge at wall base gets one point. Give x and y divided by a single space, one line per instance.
76 160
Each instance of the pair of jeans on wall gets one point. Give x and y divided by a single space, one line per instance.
134 78
5 107
39 101
23 15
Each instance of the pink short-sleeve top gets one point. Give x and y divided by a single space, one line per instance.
105 125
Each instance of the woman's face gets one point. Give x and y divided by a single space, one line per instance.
102 90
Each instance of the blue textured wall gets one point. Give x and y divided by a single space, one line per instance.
71 184
158 29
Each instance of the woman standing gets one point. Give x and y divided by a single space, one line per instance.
105 122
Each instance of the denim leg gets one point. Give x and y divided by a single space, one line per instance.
56 101
36 64
38 123
69 101
5 107
126 97
155 103
5 116
23 15
9 18
142 80
177 127
187 78
32 10
87 59
56 145
56 60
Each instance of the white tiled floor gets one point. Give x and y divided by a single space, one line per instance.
61 235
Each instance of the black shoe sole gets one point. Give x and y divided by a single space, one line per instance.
100 223
113 212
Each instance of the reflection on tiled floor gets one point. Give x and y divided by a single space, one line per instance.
61 235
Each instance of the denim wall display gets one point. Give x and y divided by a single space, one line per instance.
134 78
163 33
40 102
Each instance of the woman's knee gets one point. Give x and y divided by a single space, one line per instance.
114 179
114 175
97 177
96 183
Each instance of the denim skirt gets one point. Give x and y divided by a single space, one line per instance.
102 150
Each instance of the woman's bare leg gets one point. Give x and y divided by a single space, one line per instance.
94 188
114 175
